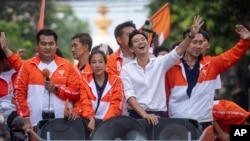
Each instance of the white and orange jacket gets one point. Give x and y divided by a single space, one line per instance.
111 103
7 106
199 105
115 62
29 88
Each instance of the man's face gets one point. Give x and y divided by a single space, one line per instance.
78 49
140 45
196 47
46 47
123 39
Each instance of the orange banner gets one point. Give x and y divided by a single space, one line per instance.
161 24
40 23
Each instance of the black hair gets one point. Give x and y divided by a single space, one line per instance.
201 31
47 32
135 32
98 52
159 49
2 54
119 27
84 38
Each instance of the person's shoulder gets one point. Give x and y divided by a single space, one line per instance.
31 60
64 60
113 76
130 65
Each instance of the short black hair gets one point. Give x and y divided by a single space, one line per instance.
119 27
135 32
159 49
84 38
201 31
47 32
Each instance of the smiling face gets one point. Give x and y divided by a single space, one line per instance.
140 45
98 63
196 47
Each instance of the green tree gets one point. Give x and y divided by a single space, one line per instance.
19 20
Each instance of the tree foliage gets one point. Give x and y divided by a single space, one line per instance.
18 18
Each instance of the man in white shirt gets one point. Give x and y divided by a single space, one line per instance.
143 79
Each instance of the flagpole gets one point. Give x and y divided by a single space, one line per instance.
40 23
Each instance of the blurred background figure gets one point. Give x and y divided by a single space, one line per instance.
160 50
103 47
59 53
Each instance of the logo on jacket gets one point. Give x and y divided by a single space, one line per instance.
61 72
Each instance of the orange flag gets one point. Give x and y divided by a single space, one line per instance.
161 23
40 23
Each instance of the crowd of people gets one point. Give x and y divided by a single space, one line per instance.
176 83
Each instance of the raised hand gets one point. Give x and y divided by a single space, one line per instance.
20 52
3 41
242 31
197 23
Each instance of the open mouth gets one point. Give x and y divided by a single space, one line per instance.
141 47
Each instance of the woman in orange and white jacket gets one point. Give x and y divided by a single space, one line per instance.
102 95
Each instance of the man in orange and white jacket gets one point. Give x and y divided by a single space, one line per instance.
191 83
123 55
36 94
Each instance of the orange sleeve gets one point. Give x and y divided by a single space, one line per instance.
225 60
77 107
228 112
15 61
85 102
20 92
116 101
71 90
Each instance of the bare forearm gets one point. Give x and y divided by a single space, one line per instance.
183 45
136 107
